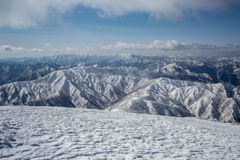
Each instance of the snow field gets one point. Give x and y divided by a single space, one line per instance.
67 133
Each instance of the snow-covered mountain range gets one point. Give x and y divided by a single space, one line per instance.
175 86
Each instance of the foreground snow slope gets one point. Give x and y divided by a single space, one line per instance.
67 133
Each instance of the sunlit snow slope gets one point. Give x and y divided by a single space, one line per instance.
175 86
66 133
124 88
165 96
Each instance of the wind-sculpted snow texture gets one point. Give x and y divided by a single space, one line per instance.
141 84
65 133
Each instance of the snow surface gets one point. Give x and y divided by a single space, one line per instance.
67 133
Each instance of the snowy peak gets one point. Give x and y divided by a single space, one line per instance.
180 98
79 89
213 70
12 72
155 85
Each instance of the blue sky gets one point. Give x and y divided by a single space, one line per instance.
154 27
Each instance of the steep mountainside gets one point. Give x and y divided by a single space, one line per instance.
61 88
165 96
126 89
13 72
212 70
174 86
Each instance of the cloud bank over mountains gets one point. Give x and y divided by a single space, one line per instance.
28 13
8 48
172 46
157 47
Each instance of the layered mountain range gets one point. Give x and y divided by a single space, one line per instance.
175 86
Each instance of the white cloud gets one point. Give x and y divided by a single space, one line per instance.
155 45
90 48
69 49
47 44
7 48
37 50
172 46
173 9
27 13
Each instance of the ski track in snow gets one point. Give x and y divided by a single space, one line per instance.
65 133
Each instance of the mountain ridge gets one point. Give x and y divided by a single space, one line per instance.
171 86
